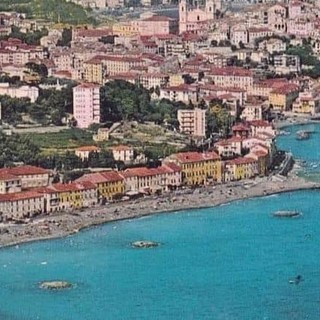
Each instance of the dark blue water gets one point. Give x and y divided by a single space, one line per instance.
229 262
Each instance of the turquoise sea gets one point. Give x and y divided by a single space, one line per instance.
230 262
307 151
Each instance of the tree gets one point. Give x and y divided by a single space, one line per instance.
66 38
71 161
17 148
102 159
108 39
31 38
214 43
39 69
219 119
241 45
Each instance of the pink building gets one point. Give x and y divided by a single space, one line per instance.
303 27
86 104
231 77
193 16
158 25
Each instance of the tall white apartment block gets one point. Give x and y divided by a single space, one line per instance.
193 122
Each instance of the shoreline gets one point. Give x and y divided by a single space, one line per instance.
64 224
298 122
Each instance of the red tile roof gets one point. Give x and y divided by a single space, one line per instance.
189 157
101 177
260 153
240 127
174 167
286 89
24 170
70 187
158 18
7 176
231 71
259 123
17 196
92 33
240 161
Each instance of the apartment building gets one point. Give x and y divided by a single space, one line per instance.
185 93
151 180
192 122
109 184
30 176
239 168
21 205
29 92
231 77
9 183
86 104
198 168
158 25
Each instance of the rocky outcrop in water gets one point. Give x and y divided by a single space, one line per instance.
55 285
144 244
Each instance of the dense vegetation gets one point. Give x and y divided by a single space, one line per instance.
19 148
16 149
307 58
51 107
59 11
31 38
123 101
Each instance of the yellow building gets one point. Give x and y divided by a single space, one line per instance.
94 71
198 168
70 196
281 99
307 103
262 158
109 183
239 169
175 80
126 29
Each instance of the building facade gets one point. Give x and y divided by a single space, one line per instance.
198 168
86 104
194 14
192 122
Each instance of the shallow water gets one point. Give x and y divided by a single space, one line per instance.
230 262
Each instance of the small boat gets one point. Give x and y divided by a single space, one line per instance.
296 280
302 135
286 214
283 133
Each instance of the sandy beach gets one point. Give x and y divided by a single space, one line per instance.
66 223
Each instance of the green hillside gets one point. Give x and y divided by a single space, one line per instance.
58 11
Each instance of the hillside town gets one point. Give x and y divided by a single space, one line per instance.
213 78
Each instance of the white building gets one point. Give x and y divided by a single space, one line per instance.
123 153
192 122
29 92
86 104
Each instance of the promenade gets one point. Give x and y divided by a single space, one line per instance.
66 223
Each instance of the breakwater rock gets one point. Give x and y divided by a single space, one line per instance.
55 285
286 214
145 244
